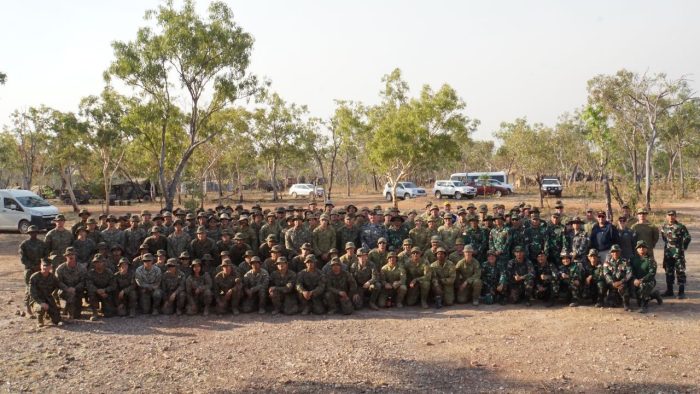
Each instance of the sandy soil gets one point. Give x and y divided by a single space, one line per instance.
463 348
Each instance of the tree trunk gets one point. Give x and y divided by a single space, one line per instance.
374 178
347 175
65 174
672 162
539 189
274 179
107 186
635 173
647 171
681 175
572 178
608 198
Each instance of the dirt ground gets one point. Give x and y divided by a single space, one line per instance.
456 349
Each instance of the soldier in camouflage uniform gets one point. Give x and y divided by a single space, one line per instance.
405 254
372 231
569 277
42 285
536 237
281 291
323 240
418 279
100 286
578 242
84 247
93 232
643 281
198 288
227 288
393 278
172 285
556 236
593 279
311 284
477 237
340 286
31 253
249 235
676 240
468 280
349 232
112 235
419 235
125 289
271 227
179 240
520 275
255 287
71 282
431 253
443 279
499 241
396 233
368 281
448 233
494 280
518 234
202 245
147 278
617 273
546 284
134 237
350 256
297 236
379 254
57 240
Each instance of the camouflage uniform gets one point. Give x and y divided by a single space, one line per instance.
199 292
478 238
134 238
443 281
200 248
345 235
270 229
315 282
295 238
499 241
676 240
523 288
250 237
323 240
368 283
469 276
420 237
282 294
84 250
448 236
644 269
546 284
114 237
396 277
395 237
594 288
125 285
71 277
31 252
617 270
579 245
571 283
257 283
370 234
537 241
227 290
101 281
337 283
419 274
56 243
556 235
492 277
377 257
148 285
173 284
41 289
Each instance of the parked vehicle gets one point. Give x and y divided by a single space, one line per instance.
455 189
468 177
404 191
81 196
551 186
20 209
486 187
508 186
305 190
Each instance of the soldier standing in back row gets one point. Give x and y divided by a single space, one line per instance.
676 240
57 240
31 253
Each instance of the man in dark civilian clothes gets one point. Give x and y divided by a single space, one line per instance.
603 236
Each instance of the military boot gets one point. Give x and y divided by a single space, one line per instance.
94 316
681 292
643 308
40 319
669 289
373 306
655 295
626 303
132 312
438 302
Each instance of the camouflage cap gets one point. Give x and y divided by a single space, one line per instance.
103 245
91 221
671 212
276 249
35 229
416 249
84 211
238 237
185 255
565 255
310 258
160 252
641 244
225 263
59 218
468 249
459 241
642 211
335 261
69 251
333 251
407 241
518 249
147 257
97 258
593 252
248 253
440 250
491 252
307 246
349 245
172 262
207 257
123 261
363 252
201 230
255 259
271 237
391 255
616 248
575 220
196 262
381 240
281 260
434 238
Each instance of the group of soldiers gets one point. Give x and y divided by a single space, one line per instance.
337 260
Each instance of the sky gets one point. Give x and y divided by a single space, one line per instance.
506 59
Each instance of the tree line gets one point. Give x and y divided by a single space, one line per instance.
180 107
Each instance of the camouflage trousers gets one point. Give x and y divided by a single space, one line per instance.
195 302
106 303
53 312
421 290
674 264
546 289
365 295
333 300
176 305
150 299
229 302
470 292
129 300
315 304
396 294
257 299
446 291
284 302
28 272
520 291
74 303
622 292
593 290
570 288
644 291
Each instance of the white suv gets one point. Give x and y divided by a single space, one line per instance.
404 191
455 189
551 186
304 190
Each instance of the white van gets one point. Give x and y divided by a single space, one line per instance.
468 177
21 208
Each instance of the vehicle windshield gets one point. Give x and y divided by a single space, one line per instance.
33 202
550 182
408 185
458 183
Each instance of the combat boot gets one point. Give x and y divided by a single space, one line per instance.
40 319
132 312
501 299
550 301
669 289
94 316
305 311
626 303
681 292
643 308
438 302
424 304
373 306
655 295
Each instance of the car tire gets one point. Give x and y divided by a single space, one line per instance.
458 196
406 196
388 196
23 226
294 194
438 194
470 196
497 193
